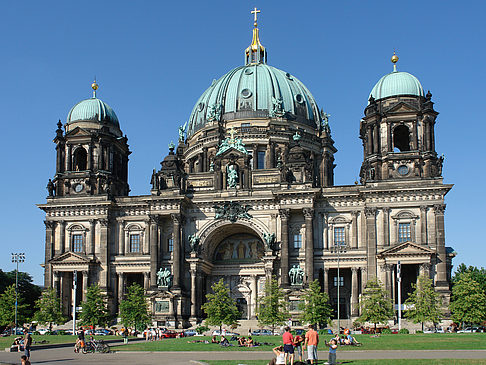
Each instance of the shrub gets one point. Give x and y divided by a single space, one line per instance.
419 331
62 332
386 331
36 333
404 331
202 329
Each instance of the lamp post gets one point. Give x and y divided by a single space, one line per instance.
399 280
338 248
17 258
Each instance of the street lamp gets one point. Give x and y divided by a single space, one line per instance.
17 258
338 248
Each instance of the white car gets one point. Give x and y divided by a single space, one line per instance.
218 333
43 331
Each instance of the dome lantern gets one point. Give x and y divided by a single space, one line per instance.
255 53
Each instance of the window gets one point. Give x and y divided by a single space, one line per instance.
170 244
339 236
77 240
341 281
261 160
134 243
245 128
297 240
404 232
401 138
80 159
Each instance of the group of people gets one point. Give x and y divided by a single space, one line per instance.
23 343
293 345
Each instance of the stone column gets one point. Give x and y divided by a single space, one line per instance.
325 239
363 240
284 259
376 139
57 286
254 296
386 269
121 285
49 252
92 237
176 219
326 280
309 245
85 284
364 279
423 225
354 223
371 241
441 267
193 293
104 253
121 237
255 156
69 157
154 257
386 226
369 140
354 292
146 280
424 269
62 237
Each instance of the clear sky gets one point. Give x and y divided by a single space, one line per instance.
153 59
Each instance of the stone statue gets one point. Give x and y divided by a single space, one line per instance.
277 108
269 241
296 275
51 188
164 277
214 113
153 180
194 242
182 132
325 121
232 177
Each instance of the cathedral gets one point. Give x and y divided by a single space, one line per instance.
248 193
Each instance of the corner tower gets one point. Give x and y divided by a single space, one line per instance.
92 153
398 130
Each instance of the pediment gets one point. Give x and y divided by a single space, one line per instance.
78 132
406 249
402 108
70 258
231 151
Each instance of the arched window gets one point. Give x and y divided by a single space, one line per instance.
80 159
77 235
401 138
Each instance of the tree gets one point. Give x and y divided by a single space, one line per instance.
26 289
94 312
7 307
220 308
478 275
49 309
468 301
424 302
272 306
134 308
376 306
315 308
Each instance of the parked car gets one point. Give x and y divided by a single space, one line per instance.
469 330
218 333
43 331
102 332
262 332
189 333
169 334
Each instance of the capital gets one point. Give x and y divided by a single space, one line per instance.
50 224
370 212
284 213
176 218
308 213
439 208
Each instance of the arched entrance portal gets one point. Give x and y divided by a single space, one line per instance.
236 253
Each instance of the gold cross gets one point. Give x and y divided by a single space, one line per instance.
232 133
255 11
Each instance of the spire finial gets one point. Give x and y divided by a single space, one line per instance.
94 86
256 53
394 59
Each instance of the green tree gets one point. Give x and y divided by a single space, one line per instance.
424 302
272 306
27 290
49 309
220 308
134 308
376 306
315 308
478 275
7 307
94 312
468 301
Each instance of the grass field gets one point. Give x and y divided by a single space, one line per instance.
7 341
357 362
444 341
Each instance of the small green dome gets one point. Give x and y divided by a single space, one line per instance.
255 91
94 110
397 83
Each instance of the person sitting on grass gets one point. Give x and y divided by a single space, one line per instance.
214 339
249 342
17 344
224 342
241 341
280 359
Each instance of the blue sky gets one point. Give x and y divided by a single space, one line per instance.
153 59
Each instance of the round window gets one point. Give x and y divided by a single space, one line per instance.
200 107
246 93
299 98
248 71
402 170
289 76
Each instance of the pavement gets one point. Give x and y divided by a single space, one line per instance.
67 356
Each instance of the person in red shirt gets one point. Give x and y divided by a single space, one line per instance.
288 341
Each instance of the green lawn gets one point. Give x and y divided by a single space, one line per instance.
7 341
445 341
356 362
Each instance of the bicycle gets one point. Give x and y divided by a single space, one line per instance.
96 346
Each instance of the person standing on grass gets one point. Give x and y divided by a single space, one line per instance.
288 341
311 341
332 351
27 345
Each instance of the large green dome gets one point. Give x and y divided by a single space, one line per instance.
397 83
255 91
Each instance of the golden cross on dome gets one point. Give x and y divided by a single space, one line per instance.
255 11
